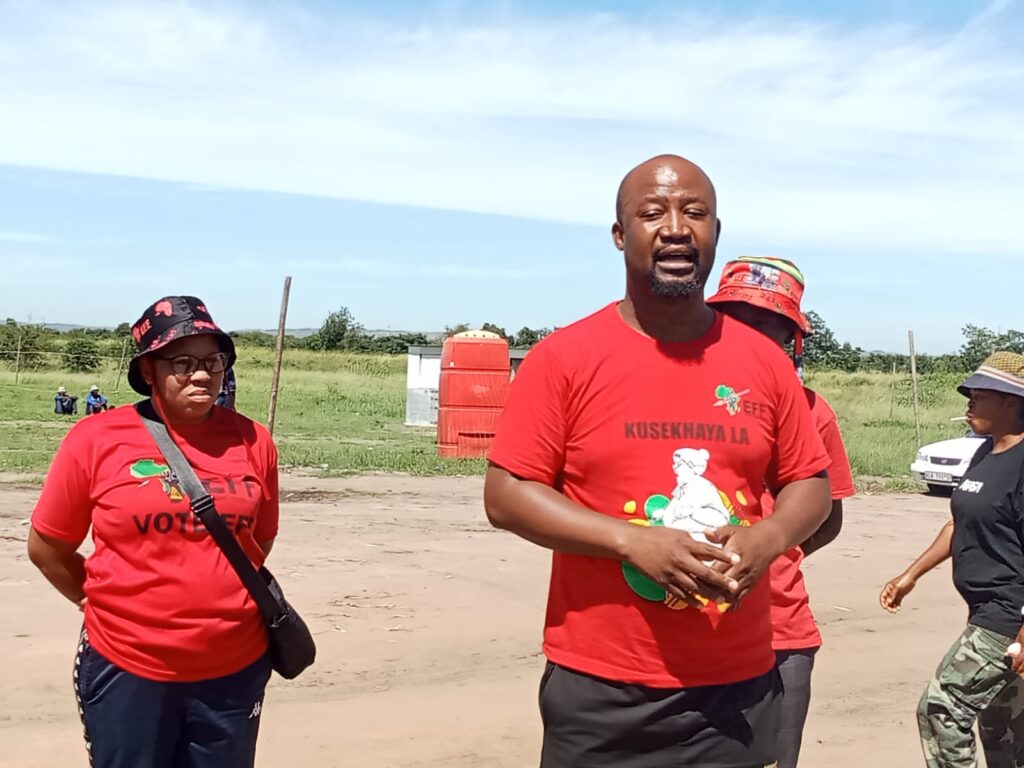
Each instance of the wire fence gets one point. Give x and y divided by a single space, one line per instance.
13 354
29 361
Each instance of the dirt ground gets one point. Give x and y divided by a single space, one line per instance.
428 624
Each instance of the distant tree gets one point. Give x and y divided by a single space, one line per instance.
339 331
948 364
822 349
34 341
254 339
496 329
979 343
397 344
883 361
81 353
400 343
821 344
527 337
123 329
455 329
848 358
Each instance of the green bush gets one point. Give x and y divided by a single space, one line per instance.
36 345
81 354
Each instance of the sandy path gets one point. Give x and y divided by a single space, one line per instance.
429 628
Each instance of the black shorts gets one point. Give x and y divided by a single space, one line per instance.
592 723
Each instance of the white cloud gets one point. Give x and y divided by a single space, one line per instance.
814 134
376 267
25 238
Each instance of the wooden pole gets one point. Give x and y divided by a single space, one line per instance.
120 365
278 354
913 382
17 361
892 393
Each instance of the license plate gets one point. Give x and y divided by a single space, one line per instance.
939 477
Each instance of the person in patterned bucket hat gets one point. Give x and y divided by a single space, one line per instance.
765 294
170 318
172 660
980 676
770 284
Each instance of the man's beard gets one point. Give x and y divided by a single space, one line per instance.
677 289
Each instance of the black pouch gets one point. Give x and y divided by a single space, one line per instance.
292 649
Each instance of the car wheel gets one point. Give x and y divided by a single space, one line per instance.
939 490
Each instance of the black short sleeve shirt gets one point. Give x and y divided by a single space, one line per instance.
988 539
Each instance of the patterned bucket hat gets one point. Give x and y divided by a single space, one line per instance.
1001 371
769 283
169 319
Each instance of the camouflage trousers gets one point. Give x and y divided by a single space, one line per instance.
974 682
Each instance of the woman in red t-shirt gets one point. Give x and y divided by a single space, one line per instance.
765 294
172 661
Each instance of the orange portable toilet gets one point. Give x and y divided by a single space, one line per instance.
474 384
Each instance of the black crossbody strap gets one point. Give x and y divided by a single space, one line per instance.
203 507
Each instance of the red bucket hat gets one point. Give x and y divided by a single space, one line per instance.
169 319
769 283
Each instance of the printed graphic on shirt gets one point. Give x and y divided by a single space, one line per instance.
147 469
971 486
696 504
730 398
183 520
708 432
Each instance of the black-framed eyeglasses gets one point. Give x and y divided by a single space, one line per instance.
186 365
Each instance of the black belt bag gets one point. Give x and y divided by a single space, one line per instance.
291 644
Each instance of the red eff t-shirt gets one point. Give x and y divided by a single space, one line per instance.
683 435
164 603
792 621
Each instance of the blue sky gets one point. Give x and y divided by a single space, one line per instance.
426 164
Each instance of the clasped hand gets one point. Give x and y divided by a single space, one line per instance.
690 569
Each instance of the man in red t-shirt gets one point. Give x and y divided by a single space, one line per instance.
638 443
765 294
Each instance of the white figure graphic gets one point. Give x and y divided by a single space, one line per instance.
696 503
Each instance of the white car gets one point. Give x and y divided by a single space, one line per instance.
942 465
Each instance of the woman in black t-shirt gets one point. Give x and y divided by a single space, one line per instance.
980 678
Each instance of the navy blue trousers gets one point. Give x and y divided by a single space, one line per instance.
131 722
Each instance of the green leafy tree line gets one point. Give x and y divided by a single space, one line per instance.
341 331
85 349
523 339
31 346
823 351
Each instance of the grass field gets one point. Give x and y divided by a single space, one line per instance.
877 419
343 413
337 412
